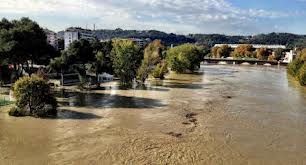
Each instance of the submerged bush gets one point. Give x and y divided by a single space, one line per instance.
33 98
15 111
160 71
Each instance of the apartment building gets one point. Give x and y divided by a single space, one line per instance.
52 38
75 33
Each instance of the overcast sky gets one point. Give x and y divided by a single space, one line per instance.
178 16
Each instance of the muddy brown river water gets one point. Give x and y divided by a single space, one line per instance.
221 115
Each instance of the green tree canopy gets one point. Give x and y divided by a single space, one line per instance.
81 51
126 57
22 41
153 55
185 58
33 98
105 49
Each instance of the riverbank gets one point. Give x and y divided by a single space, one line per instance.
223 115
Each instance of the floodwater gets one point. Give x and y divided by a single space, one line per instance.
222 115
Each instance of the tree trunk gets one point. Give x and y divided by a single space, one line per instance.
62 77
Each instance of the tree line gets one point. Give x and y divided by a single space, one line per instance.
291 41
167 38
246 51
23 43
126 60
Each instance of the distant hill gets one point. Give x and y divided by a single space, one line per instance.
168 39
288 39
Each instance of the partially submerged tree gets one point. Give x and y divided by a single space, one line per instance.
126 57
153 55
160 70
102 52
61 64
185 58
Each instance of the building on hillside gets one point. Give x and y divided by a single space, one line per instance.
256 46
141 42
52 38
61 34
75 33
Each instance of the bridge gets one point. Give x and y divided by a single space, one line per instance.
242 61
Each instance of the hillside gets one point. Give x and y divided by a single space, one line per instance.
288 39
168 39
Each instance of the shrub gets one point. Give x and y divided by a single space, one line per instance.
302 75
15 111
34 97
160 70
294 67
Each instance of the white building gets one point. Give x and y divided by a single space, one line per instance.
105 77
74 34
52 38
289 57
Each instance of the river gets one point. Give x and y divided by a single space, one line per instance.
223 114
